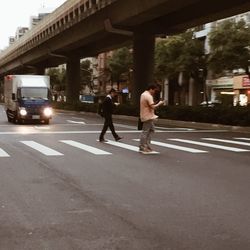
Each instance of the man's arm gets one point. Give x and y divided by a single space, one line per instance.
154 106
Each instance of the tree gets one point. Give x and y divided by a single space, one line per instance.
180 54
119 64
57 78
230 46
86 74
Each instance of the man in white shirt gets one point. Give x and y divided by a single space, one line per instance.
147 116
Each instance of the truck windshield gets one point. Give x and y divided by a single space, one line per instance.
34 93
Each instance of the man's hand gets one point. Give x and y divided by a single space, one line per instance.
162 102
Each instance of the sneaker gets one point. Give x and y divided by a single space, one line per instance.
102 140
141 149
118 138
149 148
146 151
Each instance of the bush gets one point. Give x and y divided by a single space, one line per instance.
236 116
126 109
77 106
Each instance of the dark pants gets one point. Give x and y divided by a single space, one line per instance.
108 123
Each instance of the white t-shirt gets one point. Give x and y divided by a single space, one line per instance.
146 111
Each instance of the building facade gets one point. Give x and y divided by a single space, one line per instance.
235 88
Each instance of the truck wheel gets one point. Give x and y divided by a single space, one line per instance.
8 117
16 120
46 121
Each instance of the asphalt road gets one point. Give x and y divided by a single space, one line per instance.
61 189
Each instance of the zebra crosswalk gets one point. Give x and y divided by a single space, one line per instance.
241 145
211 145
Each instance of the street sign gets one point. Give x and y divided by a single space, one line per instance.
245 81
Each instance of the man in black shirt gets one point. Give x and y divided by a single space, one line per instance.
107 111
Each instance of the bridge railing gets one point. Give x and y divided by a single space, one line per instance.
63 17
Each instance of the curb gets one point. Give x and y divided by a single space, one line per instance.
177 123
189 124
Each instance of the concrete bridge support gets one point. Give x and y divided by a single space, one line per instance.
72 79
143 55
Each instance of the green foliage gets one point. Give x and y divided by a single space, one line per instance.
167 53
230 46
77 106
180 53
86 73
237 116
120 63
57 78
126 109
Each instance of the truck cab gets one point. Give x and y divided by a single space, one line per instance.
27 98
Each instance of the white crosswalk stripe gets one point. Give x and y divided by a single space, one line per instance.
228 141
41 148
85 147
233 149
244 139
3 153
167 145
127 146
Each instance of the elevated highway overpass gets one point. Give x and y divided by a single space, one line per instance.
83 28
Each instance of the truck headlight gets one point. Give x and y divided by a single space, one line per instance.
22 111
47 112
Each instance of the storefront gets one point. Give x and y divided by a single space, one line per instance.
222 90
241 85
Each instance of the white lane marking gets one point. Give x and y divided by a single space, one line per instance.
85 147
124 126
98 132
126 146
42 127
157 127
228 141
78 118
3 153
75 122
239 138
167 145
185 129
41 148
211 145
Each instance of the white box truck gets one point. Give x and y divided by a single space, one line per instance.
27 98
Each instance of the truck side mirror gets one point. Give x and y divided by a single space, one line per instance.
13 96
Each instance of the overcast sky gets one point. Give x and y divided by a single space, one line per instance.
16 13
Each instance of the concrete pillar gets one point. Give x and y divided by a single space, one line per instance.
143 55
72 79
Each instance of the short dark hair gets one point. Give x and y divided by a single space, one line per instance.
151 86
112 91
